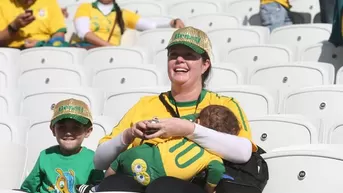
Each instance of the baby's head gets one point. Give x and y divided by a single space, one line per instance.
219 118
70 124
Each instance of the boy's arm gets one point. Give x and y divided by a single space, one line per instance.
109 172
33 181
216 170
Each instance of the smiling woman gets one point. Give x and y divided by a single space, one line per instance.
189 64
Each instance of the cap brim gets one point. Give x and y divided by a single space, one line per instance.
194 47
78 118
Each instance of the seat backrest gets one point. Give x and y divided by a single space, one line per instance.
9 56
12 163
299 171
289 76
39 103
226 38
334 134
317 102
254 100
244 9
9 102
118 103
186 9
52 55
61 75
155 39
223 75
275 131
251 55
13 129
126 76
309 6
8 75
211 21
114 56
144 7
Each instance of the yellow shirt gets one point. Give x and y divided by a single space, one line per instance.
49 20
150 106
284 3
101 24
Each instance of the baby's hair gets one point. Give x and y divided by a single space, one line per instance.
219 118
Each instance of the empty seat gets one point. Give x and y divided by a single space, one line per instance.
117 103
223 75
245 9
298 36
323 52
9 102
144 8
115 55
307 9
51 55
255 101
317 103
186 9
250 55
210 21
298 171
334 134
12 163
13 129
126 76
39 103
61 75
226 38
9 56
8 75
339 76
155 39
289 76
275 131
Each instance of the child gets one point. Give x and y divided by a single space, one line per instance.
59 168
149 162
275 13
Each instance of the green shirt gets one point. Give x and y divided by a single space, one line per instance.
56 173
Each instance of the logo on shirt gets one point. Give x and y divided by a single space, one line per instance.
65 181
139 168
42 13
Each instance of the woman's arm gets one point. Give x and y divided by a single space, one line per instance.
147 24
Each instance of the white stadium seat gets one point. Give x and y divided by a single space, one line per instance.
251 55
244 9
289 76
8 75
316 103
299 171
126 76
115 55
39 103
311 7
61 75
13 129
334 134
256 101
225 39
223 75
12 165
275 131
155 39
186 9
9 56
210 21
143 7
9 102
52 55
339 76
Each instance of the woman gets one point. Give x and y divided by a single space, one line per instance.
94 22
189 64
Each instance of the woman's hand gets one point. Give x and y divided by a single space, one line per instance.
136 131
177 23
171 127
30 43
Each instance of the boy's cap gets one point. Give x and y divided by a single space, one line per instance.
72 109
193 38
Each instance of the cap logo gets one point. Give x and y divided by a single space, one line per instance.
187 36
77 109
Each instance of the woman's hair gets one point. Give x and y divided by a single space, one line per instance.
219 118
205 75
119 18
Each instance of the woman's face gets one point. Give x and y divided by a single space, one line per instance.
106 1
185 66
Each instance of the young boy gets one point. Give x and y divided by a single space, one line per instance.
149 162
59 168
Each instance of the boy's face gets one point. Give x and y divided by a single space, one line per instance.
70 135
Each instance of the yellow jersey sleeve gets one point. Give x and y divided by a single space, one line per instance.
57 22
236 109
130 19
83 10
3 23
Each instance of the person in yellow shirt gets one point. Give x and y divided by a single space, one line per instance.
275 13
94 22
27 23
189 64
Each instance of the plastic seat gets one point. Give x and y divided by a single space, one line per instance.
144 7
275 131
8 76
155 39
333 135
245 9
121 55
223 75
186 9
13 129
307 9
211 21
9 102
9 56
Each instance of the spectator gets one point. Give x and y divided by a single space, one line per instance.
275 13
30 23
94 22
326 10
60 168
336 36
189 64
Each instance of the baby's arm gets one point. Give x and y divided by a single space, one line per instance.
216 170
109 172
113 167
